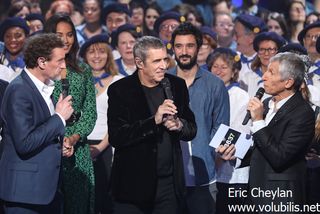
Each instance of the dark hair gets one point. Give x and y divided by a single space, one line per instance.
187 28
51 27
279 17
314 13
146 31
40 45
17 7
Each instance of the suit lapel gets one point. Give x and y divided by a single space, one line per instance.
35 92
286 108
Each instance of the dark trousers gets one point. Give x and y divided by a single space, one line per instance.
223 201
313 185
165 201
55 207
102 171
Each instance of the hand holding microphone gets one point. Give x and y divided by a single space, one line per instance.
64 104
255 108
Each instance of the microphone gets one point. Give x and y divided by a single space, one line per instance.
65 87
258 95
165 83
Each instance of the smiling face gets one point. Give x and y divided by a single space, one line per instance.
97 56
223 70
64 31
274 26
114 20
14 39
186 51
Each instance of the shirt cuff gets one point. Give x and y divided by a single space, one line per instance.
257 125
63 121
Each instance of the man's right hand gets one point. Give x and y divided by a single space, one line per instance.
64 107
166 108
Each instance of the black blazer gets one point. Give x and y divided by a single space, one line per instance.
134 135
278 157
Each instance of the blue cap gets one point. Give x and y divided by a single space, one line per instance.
254 23
302 33
227 51
115 7
133 30
101 38
13 22
279 40
35 16
208 31
294 48
168 15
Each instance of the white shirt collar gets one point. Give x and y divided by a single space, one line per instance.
43 88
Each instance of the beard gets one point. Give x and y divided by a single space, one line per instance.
187 66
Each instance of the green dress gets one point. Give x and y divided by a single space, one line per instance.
77 171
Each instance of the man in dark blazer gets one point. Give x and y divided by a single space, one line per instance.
283 127
32 129
145 128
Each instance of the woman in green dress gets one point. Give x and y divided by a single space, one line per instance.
77 177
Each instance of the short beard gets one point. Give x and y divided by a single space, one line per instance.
188 66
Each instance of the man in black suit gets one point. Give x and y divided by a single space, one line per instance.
145 128
283 127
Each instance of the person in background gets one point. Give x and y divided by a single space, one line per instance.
60 6
114 15
33 129
210 42
166 24
19 8
246 28
35 6
152 13
276 22
35 22
194 17
224 26
123 39
78 174
312 17
209 102
13 32
137 11
98 54
92 18
295 19
308 38
266 44
226 64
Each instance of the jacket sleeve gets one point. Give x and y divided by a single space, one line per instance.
29 133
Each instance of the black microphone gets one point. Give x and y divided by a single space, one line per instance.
258 95
165 83
167 88
65 88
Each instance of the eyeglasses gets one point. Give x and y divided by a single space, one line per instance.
217 67
312 37
269 50
166 27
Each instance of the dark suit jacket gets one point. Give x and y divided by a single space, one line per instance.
134 134
30 164
278 157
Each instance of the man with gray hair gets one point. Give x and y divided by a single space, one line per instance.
148 115
283 127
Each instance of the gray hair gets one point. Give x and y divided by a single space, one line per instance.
291 65
145 43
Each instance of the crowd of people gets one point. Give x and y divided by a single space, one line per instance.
109 106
